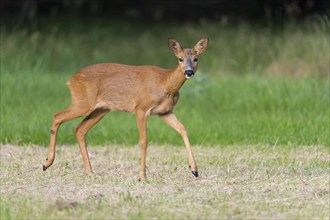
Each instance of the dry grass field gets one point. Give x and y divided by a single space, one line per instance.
239 182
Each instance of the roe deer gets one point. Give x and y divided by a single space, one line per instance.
144 90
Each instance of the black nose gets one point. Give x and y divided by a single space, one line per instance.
189 73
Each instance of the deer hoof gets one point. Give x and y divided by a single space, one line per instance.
44 168
195 173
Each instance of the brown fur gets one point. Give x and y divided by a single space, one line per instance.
144 90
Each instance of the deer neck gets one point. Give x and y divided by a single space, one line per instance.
174 80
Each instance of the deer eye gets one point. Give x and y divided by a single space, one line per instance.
195 59
180 60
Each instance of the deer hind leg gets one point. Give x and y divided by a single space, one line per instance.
58 118
172 121
81 131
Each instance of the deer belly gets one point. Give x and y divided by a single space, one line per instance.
117 99
125 105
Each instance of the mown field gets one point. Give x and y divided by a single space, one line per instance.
257 114
236 182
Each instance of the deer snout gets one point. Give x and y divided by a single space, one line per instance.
189 73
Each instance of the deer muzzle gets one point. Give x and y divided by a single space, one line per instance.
189 74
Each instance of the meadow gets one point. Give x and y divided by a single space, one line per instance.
257 115
254 84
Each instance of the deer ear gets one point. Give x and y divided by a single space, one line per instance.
174 46
201 46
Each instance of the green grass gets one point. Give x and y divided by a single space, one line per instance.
234 110
254 84
236 182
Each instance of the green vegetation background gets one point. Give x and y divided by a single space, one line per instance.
256 84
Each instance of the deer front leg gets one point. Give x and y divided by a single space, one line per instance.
172 121
141 118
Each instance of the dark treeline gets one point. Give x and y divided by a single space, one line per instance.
24 11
